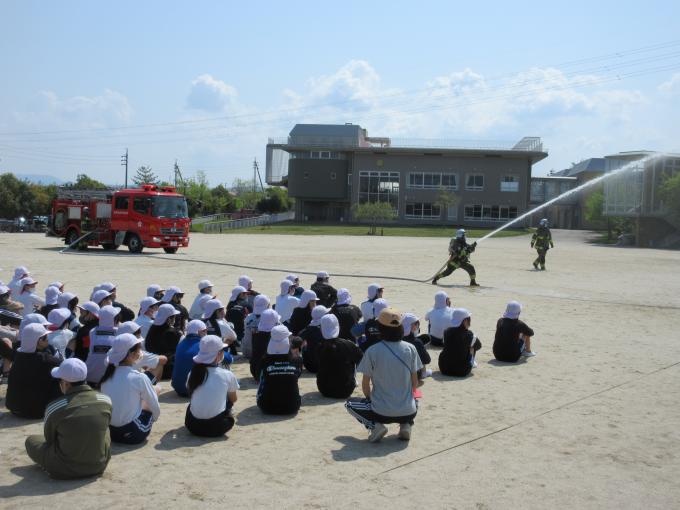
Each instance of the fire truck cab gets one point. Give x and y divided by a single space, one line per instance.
149 216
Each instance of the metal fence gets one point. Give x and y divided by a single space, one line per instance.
266 219
210 218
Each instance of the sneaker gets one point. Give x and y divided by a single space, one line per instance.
528 354
377 433
474 363
427 373
404 431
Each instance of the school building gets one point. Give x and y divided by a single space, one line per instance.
330 168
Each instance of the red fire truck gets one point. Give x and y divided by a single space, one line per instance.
151 216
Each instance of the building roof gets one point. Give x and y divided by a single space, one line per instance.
326 130
587 165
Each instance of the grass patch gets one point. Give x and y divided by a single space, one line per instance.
290 228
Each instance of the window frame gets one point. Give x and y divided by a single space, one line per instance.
474 187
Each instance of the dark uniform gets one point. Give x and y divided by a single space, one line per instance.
459 257
542 241
76 440
326 293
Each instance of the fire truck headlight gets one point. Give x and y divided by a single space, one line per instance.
156 239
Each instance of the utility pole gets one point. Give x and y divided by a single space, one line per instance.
124 162
256 176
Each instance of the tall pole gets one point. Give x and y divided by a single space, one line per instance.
124 161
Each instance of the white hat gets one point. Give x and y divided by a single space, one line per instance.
307 296
245 281
100 295
64 299
33 318
203 300
20 272
71 370
120 348
58 285
344 297
204 284
107 315
170 293
147 303
165 311
317 313
52 295
460 233
27 281
236 292
268 320
407 321
322 274
4 289
91 307
373 290
58 316
128 327
292 278
285 286
195 326
153 288
210 307
378 306
512 310
208 348
30 335
260 304
459 315
94 289
330 327
278 342
107 286
440 299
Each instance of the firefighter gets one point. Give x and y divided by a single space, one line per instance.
540 240
459 256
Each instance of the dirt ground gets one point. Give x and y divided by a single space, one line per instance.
593 421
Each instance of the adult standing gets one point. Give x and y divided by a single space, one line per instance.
459 257
542 241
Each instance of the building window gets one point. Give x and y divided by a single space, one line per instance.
452 212
423 211
317 155
474 182
478 212
379 187
432 180
537 191
509 183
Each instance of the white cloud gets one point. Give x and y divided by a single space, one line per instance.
210 94
671 86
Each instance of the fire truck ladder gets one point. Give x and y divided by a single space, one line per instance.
84 237
84 194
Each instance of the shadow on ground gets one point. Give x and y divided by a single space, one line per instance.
36 482
354 448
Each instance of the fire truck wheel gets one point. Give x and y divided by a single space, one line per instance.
170 250
135 244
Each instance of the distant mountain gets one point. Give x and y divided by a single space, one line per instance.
40 179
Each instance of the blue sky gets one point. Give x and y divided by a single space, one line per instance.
84 80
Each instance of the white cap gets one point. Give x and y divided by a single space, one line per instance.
344 297
260 304
120 348
285 286
91 307
460 233
153 288
58 285
306 297
52 295
330 327
147 303
30 335
292 278
64 299
373 290
440 299
195 326
459 315
100 295
71 370
4 289
107 286
20 272
94 289
170 293
245 281
107 315
322 274
268 320
210 307
407 321
317 312
378 306
512 310
165 311
236 292
208 348
278 341
58 316
129 327
27 281
204 284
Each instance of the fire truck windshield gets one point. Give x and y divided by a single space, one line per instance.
169 207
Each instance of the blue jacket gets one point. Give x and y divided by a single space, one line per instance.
184 360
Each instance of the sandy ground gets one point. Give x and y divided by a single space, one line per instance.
592 422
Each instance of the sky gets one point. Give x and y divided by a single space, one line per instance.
206 83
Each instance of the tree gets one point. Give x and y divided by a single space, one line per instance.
669 192
445 199
275 200
16 198
83 181
594 207
145 175
373 213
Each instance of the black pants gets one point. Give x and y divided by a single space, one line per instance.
212 427
541 256
452 266
362 410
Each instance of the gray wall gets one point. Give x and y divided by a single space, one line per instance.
313 178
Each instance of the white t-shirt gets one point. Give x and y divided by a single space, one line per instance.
195 312
440 320
210 398
145 322
367 310
127 389
59 340
30 301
